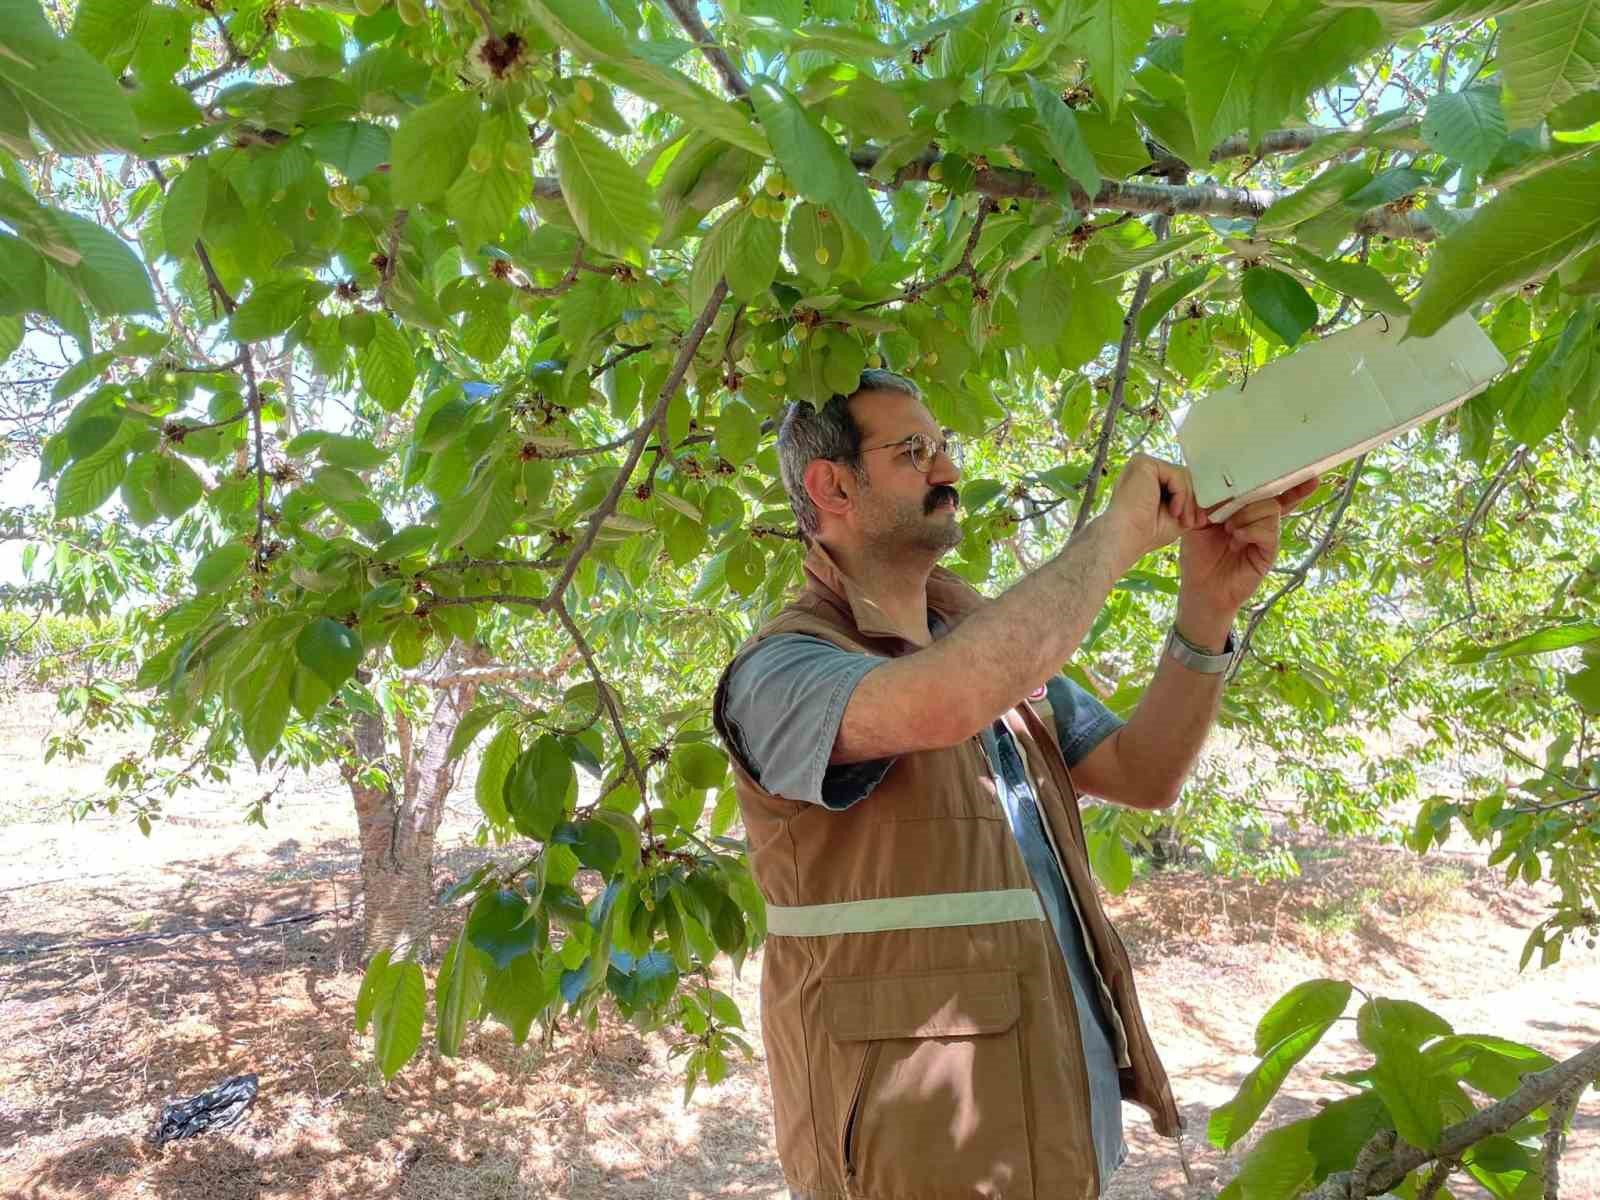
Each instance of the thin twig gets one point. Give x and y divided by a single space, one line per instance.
566 281
916 291
1298 577
1555 1131
1119 383
1490 493
608 698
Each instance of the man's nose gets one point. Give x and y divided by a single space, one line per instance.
944 470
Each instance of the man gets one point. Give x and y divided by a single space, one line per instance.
946 1009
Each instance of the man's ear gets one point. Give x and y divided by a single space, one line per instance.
830 485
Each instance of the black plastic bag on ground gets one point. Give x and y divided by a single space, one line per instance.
215 1108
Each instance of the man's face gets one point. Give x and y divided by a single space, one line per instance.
901 509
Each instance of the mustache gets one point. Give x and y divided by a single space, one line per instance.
940 493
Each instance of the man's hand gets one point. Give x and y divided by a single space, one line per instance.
1222 565
1151 506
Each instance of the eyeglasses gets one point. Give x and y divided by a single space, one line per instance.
922 450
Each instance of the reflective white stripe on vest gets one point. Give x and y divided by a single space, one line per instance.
938 911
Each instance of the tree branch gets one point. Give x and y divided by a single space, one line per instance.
674 380
1298 576
1119 382
1200 199
1537 1091
689 17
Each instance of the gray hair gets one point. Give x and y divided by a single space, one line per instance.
809 433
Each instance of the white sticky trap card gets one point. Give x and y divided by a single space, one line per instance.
1327 402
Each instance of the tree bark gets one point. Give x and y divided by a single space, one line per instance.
396 827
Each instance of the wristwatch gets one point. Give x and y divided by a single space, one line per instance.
1196 659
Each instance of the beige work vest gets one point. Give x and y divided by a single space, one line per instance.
921 1033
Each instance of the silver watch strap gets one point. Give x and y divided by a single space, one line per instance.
1196 659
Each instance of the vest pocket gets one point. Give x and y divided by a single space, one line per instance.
931 1096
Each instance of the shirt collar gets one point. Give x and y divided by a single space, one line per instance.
949 597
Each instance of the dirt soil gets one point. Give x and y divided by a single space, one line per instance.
100 1037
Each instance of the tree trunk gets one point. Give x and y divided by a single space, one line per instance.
397 828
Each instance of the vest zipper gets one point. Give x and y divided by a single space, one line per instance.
853 1116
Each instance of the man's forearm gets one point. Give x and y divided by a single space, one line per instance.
1158 746
1012 645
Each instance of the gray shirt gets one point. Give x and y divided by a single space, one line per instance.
784 706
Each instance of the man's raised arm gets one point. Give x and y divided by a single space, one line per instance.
950 690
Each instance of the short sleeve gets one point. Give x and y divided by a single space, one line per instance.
1082 722
785 702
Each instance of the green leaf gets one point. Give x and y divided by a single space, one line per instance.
1322 193
1279 1167
354 148
184 210
1545 641
701 764
264 710
493 769
1108 258
1233 1120
38 224
1166 297
738 432
1381 1019
752 262
1116 143
72 99
1336 1134
612 207
1112 34
14 135
269 310
540 787
1468 126
397 1016
517 993
1362 283
475 722
1063 136
458 991
1549 52
371 982
1280 302
499 926
109 274
174 487
220 567
1109 857
1043 305
1315 1002
814 162
1408 1090
1525 232
594 842
745 568
387 368
1220 64
430 148
593 34
88 482
1094 316
330 649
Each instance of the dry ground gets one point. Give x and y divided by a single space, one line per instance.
98 1038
